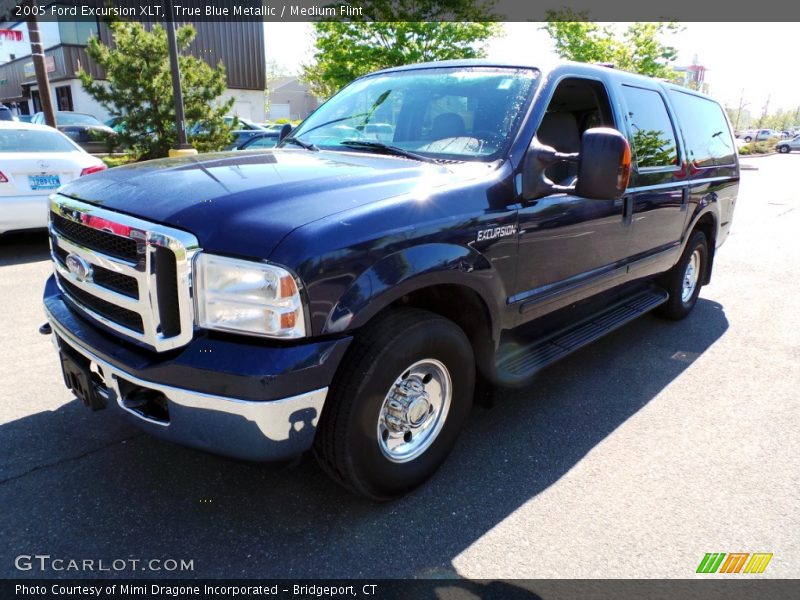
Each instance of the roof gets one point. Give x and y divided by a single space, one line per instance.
545 66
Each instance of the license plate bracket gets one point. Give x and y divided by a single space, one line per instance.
79 378
44 182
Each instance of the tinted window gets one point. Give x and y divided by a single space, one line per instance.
262 142
27 140
653 137
70 118
708 139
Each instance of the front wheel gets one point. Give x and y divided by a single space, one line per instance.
783 149
400 398
684 280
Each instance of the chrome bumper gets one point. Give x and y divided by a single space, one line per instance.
249 430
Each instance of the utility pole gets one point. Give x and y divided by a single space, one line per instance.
182 147
742 104
37 54
764 112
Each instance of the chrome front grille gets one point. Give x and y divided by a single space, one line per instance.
130 275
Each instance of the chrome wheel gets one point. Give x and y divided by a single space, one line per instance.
414 410
690 276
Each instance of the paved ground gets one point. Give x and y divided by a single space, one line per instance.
632 458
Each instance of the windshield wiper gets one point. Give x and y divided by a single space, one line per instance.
302 144
387 149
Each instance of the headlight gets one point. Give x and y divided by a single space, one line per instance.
248 297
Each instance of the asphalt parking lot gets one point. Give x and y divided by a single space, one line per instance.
631 458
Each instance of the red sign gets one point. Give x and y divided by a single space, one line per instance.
11 34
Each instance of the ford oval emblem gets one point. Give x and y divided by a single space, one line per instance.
81 269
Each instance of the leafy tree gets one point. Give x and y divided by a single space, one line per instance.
400 32
138 90
639 49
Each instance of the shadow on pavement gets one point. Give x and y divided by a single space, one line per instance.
73 489
22 247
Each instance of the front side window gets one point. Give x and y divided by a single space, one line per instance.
652 136
440 113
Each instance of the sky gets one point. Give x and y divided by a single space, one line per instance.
739 63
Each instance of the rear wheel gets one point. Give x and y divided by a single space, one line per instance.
400 398
684 280
783 149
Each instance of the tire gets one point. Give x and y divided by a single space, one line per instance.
783 149
748 139
360 439
681 299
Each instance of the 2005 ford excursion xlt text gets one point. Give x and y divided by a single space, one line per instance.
430 230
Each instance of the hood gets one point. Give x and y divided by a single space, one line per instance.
245 203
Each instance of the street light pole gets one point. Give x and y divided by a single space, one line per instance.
181 147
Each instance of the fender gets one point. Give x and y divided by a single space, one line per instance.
411 269
707 206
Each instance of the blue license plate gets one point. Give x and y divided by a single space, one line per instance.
44 182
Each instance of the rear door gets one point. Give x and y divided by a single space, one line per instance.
657 192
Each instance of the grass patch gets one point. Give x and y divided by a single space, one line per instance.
117 161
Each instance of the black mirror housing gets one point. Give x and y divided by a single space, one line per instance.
285 131
604 167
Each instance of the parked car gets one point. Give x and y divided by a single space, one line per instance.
243 130
759 135
786 146
34 161
344 294
25 118
85 130
261 140
6 114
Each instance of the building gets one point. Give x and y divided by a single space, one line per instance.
239 45
692 76
291 99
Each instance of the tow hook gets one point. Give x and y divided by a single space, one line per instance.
46 329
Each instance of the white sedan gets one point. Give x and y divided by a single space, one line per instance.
35 160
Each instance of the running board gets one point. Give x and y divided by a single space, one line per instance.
515 364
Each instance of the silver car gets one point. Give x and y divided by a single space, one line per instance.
786 146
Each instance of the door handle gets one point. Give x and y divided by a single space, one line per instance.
627 210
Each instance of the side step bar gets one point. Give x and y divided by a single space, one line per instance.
518 364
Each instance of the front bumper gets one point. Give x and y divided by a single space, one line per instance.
233 398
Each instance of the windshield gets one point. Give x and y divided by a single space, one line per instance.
67 118
443 113
31 140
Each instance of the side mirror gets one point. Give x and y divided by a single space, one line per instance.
604 167
285 131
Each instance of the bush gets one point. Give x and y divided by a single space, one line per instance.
758 148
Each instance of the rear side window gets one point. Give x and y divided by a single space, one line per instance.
652 135
708 138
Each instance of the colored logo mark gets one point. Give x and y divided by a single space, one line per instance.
735 562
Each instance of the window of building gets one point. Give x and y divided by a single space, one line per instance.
77 32
64 98
652 135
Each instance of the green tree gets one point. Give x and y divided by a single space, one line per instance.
638 49
346 50
138 90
